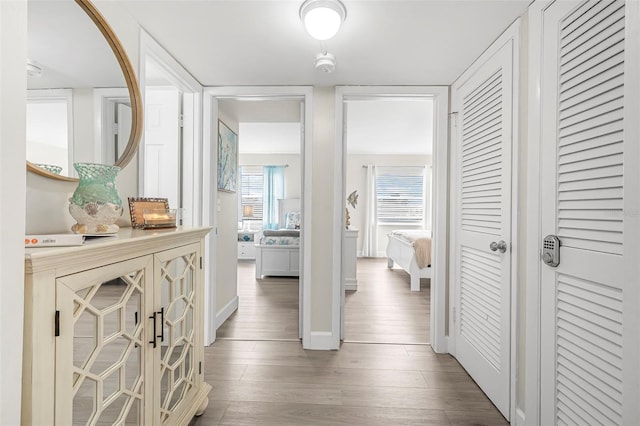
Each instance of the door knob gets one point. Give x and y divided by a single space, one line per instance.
498 246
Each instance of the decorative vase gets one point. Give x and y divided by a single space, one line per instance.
95 204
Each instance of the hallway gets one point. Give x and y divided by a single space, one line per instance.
279 383
261 382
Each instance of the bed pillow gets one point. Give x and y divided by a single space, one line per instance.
292 220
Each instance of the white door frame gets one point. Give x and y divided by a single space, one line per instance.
192 149
533 231
210 182
440 97
511 33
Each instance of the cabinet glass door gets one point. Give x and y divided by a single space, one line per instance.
176 271
100 350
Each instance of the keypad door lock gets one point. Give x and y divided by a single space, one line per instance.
551 250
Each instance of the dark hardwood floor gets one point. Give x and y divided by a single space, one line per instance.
261 382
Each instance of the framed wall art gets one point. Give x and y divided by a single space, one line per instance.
227 158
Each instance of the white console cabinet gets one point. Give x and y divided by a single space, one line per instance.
114 330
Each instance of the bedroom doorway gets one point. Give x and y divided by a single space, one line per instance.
223 247
268 196
386 304
397 188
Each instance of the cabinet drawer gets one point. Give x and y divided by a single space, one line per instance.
246 250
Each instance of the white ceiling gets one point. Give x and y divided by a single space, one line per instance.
263 42
382 42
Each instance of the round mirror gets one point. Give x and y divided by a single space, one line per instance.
83 99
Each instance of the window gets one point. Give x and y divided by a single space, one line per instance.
400 195
251 187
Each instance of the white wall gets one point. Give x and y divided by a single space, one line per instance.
13 86
322 175
227 241
83 126
356 180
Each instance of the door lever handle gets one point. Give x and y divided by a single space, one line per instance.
500 246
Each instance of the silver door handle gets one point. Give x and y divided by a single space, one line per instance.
499 246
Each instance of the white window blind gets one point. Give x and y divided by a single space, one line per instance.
400 195
251 188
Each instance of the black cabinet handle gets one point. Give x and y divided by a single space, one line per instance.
153 318
161 336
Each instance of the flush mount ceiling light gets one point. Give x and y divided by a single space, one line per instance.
322 18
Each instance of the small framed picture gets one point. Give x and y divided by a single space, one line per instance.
227 158
137 206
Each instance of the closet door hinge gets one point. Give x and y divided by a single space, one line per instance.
200 367
453 116
455 315
200 262
56 324
181 120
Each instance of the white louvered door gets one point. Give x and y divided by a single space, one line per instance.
588 202
483 100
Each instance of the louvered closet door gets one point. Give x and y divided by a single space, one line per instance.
482 156
584 199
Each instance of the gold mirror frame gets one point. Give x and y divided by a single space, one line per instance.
132 85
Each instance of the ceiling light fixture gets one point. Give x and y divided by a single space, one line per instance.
322 18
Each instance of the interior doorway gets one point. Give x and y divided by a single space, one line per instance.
392 187
169 158
269 183
220 304
438 97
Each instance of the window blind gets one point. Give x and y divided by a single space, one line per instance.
251 188
400 195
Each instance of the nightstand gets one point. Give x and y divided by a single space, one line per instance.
246 244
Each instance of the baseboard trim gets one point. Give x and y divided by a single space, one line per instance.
350 284
519 418
224 313
320 341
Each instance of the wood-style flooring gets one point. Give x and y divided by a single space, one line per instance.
259 382
267 309
384 309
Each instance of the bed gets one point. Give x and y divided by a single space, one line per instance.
411 250
278 251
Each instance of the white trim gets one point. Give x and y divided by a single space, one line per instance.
532 284
511 34
209 192
224 313
440 96
321 341
184 81
100 116
515 213
519 419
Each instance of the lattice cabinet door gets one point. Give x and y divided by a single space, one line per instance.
104 353
179 295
